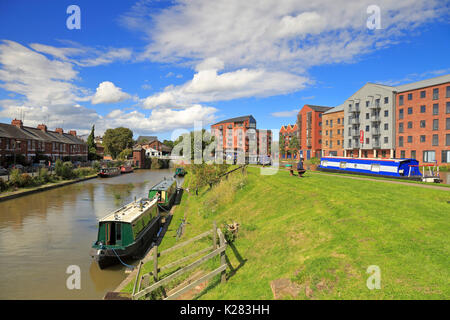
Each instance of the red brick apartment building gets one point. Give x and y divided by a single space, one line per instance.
423 120
309 124
286 133
333 132
17 139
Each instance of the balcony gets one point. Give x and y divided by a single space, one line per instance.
354 133
374 105
376 144
375 117
376 131
354 120
353 145
354 109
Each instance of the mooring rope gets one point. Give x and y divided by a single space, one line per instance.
126 265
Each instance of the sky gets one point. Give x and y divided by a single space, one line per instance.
158 67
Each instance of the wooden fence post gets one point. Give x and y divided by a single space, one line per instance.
214 235
137 277
155 263
222 257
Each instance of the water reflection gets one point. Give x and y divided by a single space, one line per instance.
42 234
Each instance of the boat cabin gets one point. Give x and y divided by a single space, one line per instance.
165 189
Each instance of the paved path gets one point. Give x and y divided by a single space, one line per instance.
388 181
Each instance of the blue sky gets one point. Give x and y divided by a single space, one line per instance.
157 66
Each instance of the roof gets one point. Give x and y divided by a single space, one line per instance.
131 211
237 119
165 148
147 138
318 108
164 184
424 83
335 109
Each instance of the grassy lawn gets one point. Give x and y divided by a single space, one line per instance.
322 233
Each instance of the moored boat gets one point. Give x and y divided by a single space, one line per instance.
166 191
391 168
126 233
109 172
126 169
180 172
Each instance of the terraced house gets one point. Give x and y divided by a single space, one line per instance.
423 120
32 143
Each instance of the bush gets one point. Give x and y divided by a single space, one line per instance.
3 185
64 169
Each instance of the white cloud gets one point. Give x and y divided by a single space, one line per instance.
107 92
285 114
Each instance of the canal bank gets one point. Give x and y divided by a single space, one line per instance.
44 233
27 191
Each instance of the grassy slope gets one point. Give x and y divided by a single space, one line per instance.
323 232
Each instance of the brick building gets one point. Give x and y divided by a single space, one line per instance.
153 146
34 143
309 124
423 120
333 132
287 133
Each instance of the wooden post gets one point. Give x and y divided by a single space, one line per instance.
155 263
136 280
222 257
214 235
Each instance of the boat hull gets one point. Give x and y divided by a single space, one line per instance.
106 257
414 178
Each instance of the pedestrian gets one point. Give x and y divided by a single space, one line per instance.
300 169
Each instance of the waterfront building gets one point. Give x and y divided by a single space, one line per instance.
287 133
309 124
333 132
17 140
423 120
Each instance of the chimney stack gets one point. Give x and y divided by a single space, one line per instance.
59 130
17 123
42 127
73 133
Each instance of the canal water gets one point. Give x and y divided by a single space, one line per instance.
41 235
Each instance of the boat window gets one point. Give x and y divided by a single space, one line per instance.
118 231
324 163
342 165
375 167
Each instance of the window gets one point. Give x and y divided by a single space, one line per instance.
386 113
400 141
339 131
386 139
400 114
435 124
367 115
410 110
331 133
339 120
400 100
338 142
386 100
326 132
446 155
331 123
367 128
331 144
423 94
365 154
423 109
435 93
447 124
402 154
386 126
410 139
422 138
413 154
326 122
435 140
429 156
435 109
409 96
400 127
422 123
357 105
447 139
410 125
447 95
367 103
447 107
367 140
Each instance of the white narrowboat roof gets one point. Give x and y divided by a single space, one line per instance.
130 212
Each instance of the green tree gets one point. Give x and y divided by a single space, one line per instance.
117 140
294 145
168 143
92 150
125 154
205 137
282 144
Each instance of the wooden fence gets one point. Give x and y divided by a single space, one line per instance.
215 250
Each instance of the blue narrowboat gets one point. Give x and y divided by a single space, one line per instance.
392 168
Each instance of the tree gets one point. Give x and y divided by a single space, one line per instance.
282 144
117 140
168 143
294 145
92 149
125 154
205 135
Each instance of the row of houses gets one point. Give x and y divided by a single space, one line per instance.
17 140
379 121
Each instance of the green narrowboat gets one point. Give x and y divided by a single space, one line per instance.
180 172
127 232
166 191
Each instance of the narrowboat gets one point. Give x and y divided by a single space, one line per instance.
126 233
391 168
166 191
180 172
126 169
108 172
